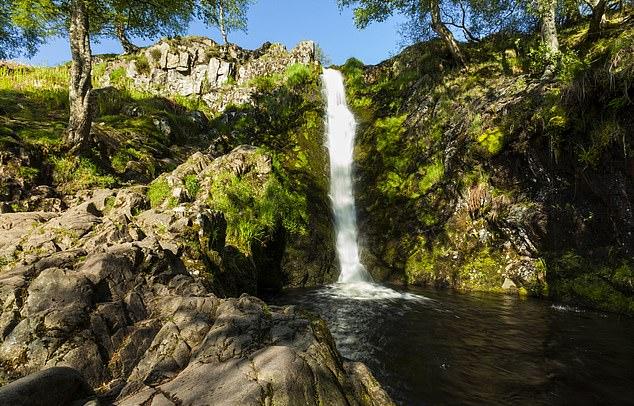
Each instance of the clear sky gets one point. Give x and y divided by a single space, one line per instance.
285 21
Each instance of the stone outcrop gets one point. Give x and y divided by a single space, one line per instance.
197 66
124 293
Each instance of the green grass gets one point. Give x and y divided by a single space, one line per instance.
254 210
72 174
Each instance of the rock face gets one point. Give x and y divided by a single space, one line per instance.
124 293
197 66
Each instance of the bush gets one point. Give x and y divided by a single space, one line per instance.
192 185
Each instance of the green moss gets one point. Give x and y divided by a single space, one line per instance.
420 267
49 136
126 155
253 209
432 174
492 140
607 285
158 192
109 204
388 132
482 271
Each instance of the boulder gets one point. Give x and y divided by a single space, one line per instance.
59 386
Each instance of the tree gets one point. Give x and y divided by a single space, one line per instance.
13 40
143 19
227 15
547 10
597 19
419 11
79 19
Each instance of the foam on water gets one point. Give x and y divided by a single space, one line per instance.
367 291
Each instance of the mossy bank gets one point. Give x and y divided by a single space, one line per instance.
498 177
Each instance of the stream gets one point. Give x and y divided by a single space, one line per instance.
431 347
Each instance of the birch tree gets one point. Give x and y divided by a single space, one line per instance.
226 15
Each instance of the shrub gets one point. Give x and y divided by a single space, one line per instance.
155 54
192 185
142 64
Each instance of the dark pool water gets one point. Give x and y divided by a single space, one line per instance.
440 348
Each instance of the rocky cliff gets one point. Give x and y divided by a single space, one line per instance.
496 178
270 98
197 66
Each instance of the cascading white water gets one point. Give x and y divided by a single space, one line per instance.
341 128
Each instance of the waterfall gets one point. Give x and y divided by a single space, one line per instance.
341 129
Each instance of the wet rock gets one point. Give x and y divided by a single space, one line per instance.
366 386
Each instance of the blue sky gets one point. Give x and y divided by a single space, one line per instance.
285 21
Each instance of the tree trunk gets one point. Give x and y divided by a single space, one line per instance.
128 46
80 81
549 26
598 17
221 20
445 35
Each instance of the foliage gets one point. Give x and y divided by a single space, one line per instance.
140 18
565 65
192 185
15 40
255 210
297 75
143 19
